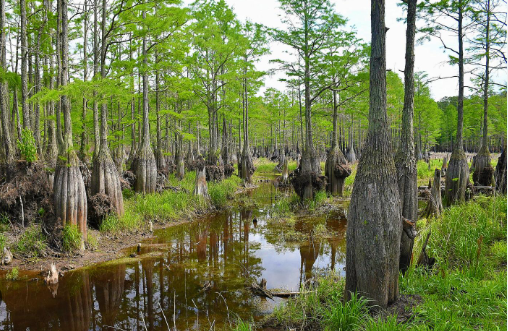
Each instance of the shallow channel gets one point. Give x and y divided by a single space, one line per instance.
189 277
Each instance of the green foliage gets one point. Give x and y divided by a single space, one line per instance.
71 238
344 316
2 242
13 274
223 191
27 146
170 204
32 243
389 324
454 239
313 307
243 326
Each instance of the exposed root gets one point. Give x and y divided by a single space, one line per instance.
99 206
27 195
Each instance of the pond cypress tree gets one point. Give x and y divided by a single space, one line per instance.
374 217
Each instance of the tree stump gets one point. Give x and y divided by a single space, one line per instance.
501 173
435 204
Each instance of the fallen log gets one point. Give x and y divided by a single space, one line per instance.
260 289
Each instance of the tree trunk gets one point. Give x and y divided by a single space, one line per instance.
457 175
83 152
144 165
105 179
336 167
501 172
201 188
374 218
405 159
483 170
435 205
24 67
161 161
69 188
4 93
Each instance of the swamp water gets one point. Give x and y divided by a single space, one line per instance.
189 277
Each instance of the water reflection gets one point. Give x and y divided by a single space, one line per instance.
188 277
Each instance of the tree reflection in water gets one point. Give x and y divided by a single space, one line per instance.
195 272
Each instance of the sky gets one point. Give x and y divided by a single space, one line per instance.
429 57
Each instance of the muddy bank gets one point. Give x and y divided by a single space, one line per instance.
110 247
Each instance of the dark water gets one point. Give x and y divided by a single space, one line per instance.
163 287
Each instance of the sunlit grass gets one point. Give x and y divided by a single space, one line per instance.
465 290
171 204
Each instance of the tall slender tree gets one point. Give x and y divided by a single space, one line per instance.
69 188
406 158
487 45
105 178
453 17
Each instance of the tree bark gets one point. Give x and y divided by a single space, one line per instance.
457 175
105 178
406 159
482 166
435 204
69 188
24 67
336 167
144 164
4 93
374 217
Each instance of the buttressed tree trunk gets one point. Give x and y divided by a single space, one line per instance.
105 179
336 167
201 188
406 159
374 217
69 188
247 166
144 164
483 172
457 174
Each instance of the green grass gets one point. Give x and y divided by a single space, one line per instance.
170 205
71 238
2 242
32 243
243 326
465 290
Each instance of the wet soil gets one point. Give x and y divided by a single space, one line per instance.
110 248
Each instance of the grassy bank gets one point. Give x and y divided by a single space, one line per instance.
465 290
170 205
173 204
